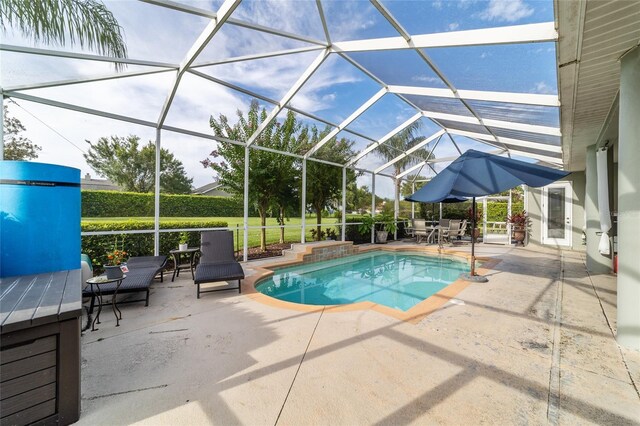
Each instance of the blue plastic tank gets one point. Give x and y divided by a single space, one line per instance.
39 218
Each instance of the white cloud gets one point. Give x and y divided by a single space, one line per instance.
465 4
543 88
301 16
506 11
347 20
330 97
437 4
453 26
426 79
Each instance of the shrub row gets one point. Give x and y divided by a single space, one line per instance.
496 211
133 204
97 246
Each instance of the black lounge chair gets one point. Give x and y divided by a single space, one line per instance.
142 271
149 262
217 261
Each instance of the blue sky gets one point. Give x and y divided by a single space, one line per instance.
335 90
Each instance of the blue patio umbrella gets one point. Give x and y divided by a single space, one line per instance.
475 174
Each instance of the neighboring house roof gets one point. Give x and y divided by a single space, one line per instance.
211 189
87 182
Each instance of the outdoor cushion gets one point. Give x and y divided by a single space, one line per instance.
217 261
86 267
147 261
211 272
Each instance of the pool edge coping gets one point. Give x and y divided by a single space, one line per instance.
414 315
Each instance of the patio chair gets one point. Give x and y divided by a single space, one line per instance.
409 228
148 262
217 261
451 230
142 272
419 229
462 230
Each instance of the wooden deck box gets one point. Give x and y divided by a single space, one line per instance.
40 348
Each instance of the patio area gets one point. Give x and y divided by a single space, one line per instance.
535 344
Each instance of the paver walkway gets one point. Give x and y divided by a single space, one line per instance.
533 345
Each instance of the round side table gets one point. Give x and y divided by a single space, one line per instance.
177 254
98 282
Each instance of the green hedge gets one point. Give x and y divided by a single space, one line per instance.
97 246
496 211
133 204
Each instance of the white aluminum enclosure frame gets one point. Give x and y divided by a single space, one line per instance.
530 33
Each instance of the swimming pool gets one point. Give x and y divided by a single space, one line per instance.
399 280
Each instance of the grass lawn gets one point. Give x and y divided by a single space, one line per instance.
273 235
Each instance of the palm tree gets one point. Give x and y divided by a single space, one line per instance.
399 143
85 22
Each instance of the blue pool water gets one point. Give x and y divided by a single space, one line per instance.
398 280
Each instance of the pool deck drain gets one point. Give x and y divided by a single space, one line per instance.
226 359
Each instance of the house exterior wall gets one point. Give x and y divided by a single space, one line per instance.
215 193
534 201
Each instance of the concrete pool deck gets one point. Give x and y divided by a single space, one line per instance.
535 344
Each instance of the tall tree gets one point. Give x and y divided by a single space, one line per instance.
272 177
324 181
85 22
16 146
398 144
122 161
358 198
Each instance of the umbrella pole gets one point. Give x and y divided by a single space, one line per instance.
473 242
473 277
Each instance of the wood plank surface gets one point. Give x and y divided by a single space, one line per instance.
71 304
49 305
31 415
35 347
30 298
34 300
25 383
11 295
25 366
28 399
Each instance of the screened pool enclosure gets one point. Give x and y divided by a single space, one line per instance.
472 75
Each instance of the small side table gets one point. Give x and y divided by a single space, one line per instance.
177 254
101 281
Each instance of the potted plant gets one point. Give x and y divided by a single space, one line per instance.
331 234
387 222
389 226
184 240
519 223
115 258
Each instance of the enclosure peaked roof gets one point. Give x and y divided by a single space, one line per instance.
366 70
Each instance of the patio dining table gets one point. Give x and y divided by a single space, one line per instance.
432 230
